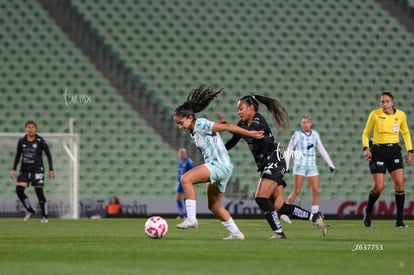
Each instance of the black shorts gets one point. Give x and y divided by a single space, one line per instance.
274 170
385 157
34 178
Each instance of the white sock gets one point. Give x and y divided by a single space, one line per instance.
190 206
315 209
231 226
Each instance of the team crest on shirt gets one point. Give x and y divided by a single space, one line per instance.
35 145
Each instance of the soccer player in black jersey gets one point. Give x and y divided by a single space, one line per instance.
30 147
270 162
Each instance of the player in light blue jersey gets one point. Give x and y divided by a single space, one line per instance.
302 149
217 168
184 164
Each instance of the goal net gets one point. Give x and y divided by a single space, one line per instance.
61 192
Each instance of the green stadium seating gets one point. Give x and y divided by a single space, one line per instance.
41 63
326 59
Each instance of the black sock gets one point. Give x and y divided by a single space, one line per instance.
372 198
399 201
23 198
270 214
42 201
295 211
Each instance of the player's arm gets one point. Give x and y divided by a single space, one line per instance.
220 127
405 132
16 160
365 135
324 154
234 139
46 149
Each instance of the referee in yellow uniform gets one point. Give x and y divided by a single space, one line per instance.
384 154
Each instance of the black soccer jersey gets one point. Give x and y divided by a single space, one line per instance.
260 148
31 152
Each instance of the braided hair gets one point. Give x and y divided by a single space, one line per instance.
274 106
197 100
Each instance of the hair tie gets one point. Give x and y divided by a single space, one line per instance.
254 98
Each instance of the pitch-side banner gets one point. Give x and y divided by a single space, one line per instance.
246 208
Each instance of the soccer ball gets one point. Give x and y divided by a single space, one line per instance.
156 227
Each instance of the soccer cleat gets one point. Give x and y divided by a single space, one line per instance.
239 236
28 216
400 224
317 219
44 220
277 236
285 218
367 220
188 223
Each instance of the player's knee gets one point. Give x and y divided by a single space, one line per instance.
20 190
379 188
264 204
40 195
185 181
213 207
399 186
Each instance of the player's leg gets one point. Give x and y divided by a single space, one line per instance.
264 191
214 197
377 170
37 180
20 188
42 202
313 182
21 185
294 211
179 198
378 180
297 187
196 175
398 181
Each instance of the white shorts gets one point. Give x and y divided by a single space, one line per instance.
219 174
305 170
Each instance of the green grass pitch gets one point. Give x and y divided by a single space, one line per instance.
119 246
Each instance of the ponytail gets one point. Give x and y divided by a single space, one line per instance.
197 101
274 106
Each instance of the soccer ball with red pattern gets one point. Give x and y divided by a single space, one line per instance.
156 227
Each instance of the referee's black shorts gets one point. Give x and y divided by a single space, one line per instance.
385 157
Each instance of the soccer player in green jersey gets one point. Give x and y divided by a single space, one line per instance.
217 168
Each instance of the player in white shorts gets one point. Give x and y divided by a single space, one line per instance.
218 167
302 148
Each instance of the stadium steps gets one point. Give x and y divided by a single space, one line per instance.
40 64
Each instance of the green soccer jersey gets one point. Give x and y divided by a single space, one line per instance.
210 144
